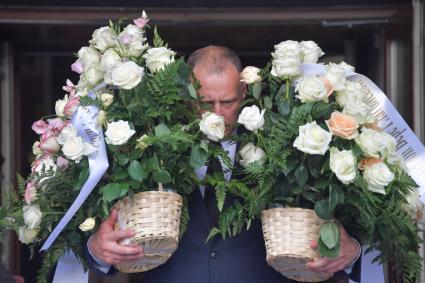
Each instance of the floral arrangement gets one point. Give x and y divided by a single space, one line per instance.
145 101
311 141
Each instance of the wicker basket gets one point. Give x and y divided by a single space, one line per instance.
287 234
155 217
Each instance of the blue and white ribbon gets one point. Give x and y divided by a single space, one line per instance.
84 120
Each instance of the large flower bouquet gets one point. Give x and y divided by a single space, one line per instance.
143 101
312 142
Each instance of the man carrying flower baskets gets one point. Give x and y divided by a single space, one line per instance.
237 259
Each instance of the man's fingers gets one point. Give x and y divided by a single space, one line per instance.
313 244
126 250
318 264
119 235
110 221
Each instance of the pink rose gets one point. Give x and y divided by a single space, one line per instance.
50 145
140 22
70 107
69 87
57 124
77 67
47 135
40 127
126 38
62 162
30 192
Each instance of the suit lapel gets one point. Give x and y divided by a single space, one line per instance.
199 208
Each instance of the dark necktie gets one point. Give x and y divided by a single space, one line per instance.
214 166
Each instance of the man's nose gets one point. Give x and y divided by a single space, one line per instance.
218 108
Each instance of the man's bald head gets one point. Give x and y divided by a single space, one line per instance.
214 59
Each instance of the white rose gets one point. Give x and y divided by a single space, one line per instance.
286 67
414 206
310 52
103 38
75 148
133 37
32 216
312 139
311 89
346 67
389 144
109 59
288 48
359 110
250 75
343 164
26 235
47 163
378 176
101 118
68 131
335 75
60 105
81 89
88 56
250 153
370 142
158 58
212 125
88 224
35 149
118 133
351 92
126 75
106 99
94 74
252 118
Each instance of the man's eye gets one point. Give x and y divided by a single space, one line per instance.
228 102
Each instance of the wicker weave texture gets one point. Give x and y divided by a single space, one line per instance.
155 217
287 234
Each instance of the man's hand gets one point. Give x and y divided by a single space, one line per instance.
349 251
104 243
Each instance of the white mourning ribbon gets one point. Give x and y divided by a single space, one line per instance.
408 145
84 120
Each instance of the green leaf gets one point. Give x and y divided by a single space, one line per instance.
82 177
135 154
111 192
162 129
321 183
325 251
124 189
334 196
120 175
198 157
162 176
214 231
284 107
329 234
204 145
152 164
122 159
268 102
136 171
301 175
192 91
322 209
256 90
220 192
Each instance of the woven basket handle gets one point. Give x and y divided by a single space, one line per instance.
160 187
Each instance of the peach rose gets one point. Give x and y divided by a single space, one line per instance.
367 162
342 125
